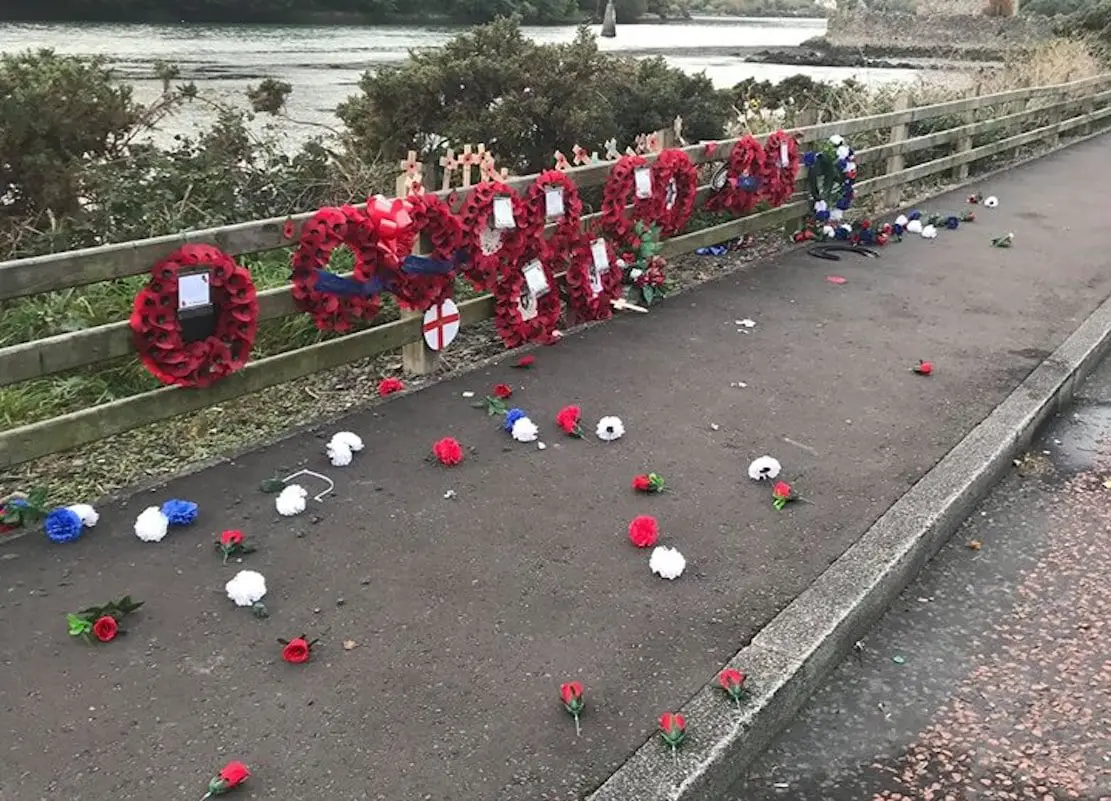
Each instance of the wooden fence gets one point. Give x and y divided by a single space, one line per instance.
1039 114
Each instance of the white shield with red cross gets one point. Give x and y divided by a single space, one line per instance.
441 324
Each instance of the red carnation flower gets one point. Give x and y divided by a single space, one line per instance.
525 362
297 651
782 494
673 729
649 482
571 694
644 532
231 538
105 628
569 419
640 483
733 682
923 368
388 386
503 391
448 451
230 776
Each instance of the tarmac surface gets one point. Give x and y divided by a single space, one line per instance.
991 677
452 602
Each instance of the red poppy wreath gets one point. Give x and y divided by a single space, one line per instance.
620 191
327 230
744 178
781 168
674 185
565 208
593 277
156 327
493 240
526 300
434 218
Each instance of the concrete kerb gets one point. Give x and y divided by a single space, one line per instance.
793 655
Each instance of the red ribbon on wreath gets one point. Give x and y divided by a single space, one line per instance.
327 230
156 329
619 192
781 168
434 218
590 292
674 185
745 179
519 316
484 264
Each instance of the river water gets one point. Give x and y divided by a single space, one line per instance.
324 63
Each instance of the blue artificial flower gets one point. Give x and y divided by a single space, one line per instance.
821 216
179 513
511 417
810 159
951 222
844 203
63 525
898 229
915 215
841 233
748 183
867 235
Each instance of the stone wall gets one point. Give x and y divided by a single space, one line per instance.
918 33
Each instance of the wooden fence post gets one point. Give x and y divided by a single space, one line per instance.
1087 106
964 143
416 357
897 161
1056 112
803 119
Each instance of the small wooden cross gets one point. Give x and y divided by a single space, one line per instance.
611 150
580 155
561 162
466 161
450 164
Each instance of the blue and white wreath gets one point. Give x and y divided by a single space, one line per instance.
830 175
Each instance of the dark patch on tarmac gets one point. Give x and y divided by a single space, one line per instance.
470 612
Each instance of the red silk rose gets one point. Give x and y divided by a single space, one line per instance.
503 391
297 651
230 776
105 628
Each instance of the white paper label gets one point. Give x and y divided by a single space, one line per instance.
553 202
192 291
535 278
527 305
595 279
601 255
503 212
672 195
642 177
782 154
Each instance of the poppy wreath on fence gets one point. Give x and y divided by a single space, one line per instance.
157 331
619 192
519 316
327 230
433 218
488 252
675 187
588 301
781 168
568 226
744 179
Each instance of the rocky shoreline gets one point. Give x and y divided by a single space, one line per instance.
819 52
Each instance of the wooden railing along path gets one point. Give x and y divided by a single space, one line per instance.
1042 115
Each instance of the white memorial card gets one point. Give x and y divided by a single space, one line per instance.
600 254
553 202
527 304
672 195
595 279
642 177
782 154
535 278
503 213
193 291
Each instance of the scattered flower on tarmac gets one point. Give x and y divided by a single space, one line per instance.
914 226
732 681
230 776
673 729
571 694
151 525
342 447
524 430
649 482
991 201
609 429
644 531
179 512
101 622
782 494
923 368
67 523
764 468
105 628
291 501
233 543
503 391
569 420
929 232
525 362
667 562
388 386
974 198
248 588
511 417
1004 241
448 451
298 650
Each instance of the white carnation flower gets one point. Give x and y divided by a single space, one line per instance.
764 467
151 525
850 166
291 500
929 232
828 232
991 202
901 220
247 588
836 215
837 140
914 226
524 430
820 205
843 153
351 441
635 273
610 428
667 562
87 513
339 454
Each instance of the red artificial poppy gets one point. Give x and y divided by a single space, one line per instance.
569 420
229 539
644 531
503 391
673 729
296 651
923 368
448 451
525 362
230 776
710 148
288 230
105 628
733 682
388 386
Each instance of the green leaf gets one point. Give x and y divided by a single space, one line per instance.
648 293
272 486
78 626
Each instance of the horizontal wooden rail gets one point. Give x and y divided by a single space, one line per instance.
59 271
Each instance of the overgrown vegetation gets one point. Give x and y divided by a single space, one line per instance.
1090 18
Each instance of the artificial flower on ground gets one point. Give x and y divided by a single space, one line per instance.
248 588
18 510
929 232
494 403
342 447
649 482
830 178
974 198
67 523
233 543
292 500
230 776
388 386
571 694
673 730
448 451
1004 241
923 368
782 494
763 468
151 525
524 430
644 532
733 683
179 512
101 622
914 226
643 270
569 420
667 563
298 650
991 201
609 429
525 362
